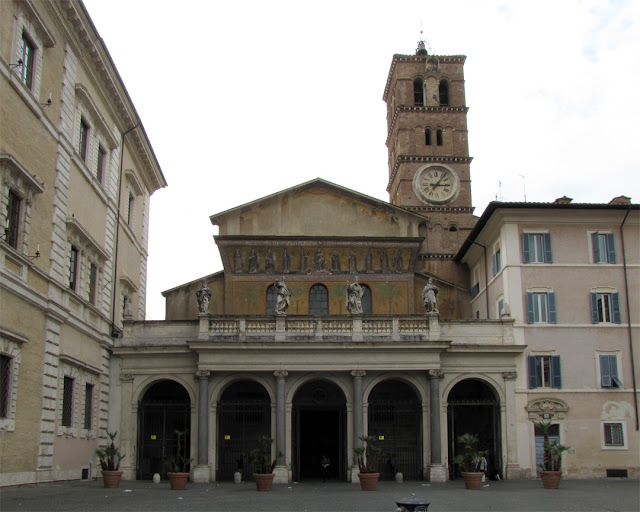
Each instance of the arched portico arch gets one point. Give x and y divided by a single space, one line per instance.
244 415
473 406
165 407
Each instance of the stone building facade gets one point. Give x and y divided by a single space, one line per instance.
76 176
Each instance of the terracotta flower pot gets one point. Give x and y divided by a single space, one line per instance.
263 482
472 481
368 481
550 479
111 479
178 481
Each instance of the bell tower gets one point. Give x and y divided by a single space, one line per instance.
429 163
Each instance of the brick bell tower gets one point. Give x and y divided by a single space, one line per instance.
429 162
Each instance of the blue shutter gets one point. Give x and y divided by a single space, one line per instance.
605 371
596 247
551 302
611 249
556 379
615 302
594 308
548 255
533 382
526 250
530 315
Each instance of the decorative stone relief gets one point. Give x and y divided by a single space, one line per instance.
547 409
509 375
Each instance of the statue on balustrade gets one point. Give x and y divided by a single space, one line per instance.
430 297
354 297
204 296
283 297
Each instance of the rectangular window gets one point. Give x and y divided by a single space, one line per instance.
83 145
102 157
93 282
475 290
5 385
609 371
613 434
13 219
130 207
536 248
67 402
500 308
605 308
604 248
541 308
553 434
495 262
73 268
27 54
544 372
88 406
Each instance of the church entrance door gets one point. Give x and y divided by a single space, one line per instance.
319 419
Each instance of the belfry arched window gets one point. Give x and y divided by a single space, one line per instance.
318 300
443 92
427 137
439 137
418 92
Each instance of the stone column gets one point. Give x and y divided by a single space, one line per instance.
437 471
281 472
358 428
513 469
202 472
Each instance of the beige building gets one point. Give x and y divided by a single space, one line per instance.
76 175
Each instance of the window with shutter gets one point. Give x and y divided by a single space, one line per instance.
605 308
544 372
603 248
536 248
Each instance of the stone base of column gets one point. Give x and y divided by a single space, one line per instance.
202 474
354 475
437 473
513 471
128 473
282 475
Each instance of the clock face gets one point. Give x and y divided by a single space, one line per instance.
436 183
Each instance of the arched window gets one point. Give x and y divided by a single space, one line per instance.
318 300
439 137
366 300
272 296
427 136
418 92
443 91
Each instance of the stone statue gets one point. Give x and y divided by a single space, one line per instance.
203 295
354 297
430 297
128 309
283 297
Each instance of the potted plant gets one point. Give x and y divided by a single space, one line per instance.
110 458
178 473
470 461
262 464
550 469
368 456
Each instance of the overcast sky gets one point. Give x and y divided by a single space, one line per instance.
241 99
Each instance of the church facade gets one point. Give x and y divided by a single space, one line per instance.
456 324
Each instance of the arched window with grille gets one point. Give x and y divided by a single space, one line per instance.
443 92
418 92
318 300
272 297
366 300
427 137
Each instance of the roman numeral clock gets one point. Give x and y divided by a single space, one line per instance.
436 184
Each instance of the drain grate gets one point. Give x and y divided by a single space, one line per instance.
617 473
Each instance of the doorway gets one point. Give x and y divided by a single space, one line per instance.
165 408
474 408
319 419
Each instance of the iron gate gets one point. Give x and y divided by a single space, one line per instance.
158 421
240 424
397 426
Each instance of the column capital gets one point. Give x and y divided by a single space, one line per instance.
358 373
436 374
509 375
281 373
126 377
203 374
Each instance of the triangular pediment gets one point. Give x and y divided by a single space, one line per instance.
318 208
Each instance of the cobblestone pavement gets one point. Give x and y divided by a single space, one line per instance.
528 495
